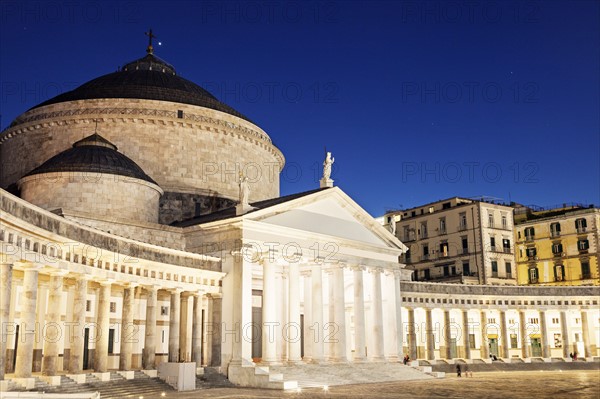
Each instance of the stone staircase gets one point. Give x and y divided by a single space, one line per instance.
118 387
325 375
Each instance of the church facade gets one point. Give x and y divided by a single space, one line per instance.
141 223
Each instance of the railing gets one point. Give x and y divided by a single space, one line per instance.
555 234
533 280
585 276
424 235
425 257
494 274
530 237
581 229
465 251
493 248
506 250
462 227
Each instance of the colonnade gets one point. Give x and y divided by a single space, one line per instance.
54 331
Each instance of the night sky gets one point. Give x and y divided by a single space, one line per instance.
417 100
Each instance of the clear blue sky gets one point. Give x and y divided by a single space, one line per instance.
417 100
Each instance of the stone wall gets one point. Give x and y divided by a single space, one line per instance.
103 195
202 152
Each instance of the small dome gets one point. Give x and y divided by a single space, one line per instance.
93 154
148 78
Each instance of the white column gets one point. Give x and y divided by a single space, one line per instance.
185 339
377 354
466 333
317 314
447 334
27 334
412 334
399 325
281 314
525 347
174 321
339 314
308 333
585 334
197 330
360 341
545 338
564 326
102 325
292 332
429 337
77 344
127 328
485 350
269 317
5 292
149 352
504 335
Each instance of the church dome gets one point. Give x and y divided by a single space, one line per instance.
93 154
148 78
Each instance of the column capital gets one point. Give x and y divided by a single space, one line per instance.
375 269
215 295
357 268
24 265
57 273
108 281
151 287
176 290
306 273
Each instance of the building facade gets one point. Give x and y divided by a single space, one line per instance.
558 247
121 249
458 240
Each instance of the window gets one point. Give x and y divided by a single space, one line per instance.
493 244
585 270
472 341
113 307
494 268
533 275
462 218
179 114
424 230
583 245
406 233
490 220
465 245
513 341
533 320
504 222
431 209
506 245
164 310
491 320
444 248
426 274
111 340
88 306
446 205
531 252
555 320
558 273
407 256
442 225
508 269
529 233
555 229
466 269
581 225
557 249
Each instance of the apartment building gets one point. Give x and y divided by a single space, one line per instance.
458 240
557 246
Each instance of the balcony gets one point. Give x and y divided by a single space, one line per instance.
532 257
425 257
581 229
493 248
506 250
533 280
529 237
495 274
465 251
424 235
555 234
462 227
585 276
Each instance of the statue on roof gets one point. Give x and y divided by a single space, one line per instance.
244 190
327 164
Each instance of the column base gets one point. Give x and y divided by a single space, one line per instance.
378 359
128 375
151 373
104 376
269 363
361 359
27 383
78 378
53 380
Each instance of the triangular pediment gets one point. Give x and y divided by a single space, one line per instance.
328 213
